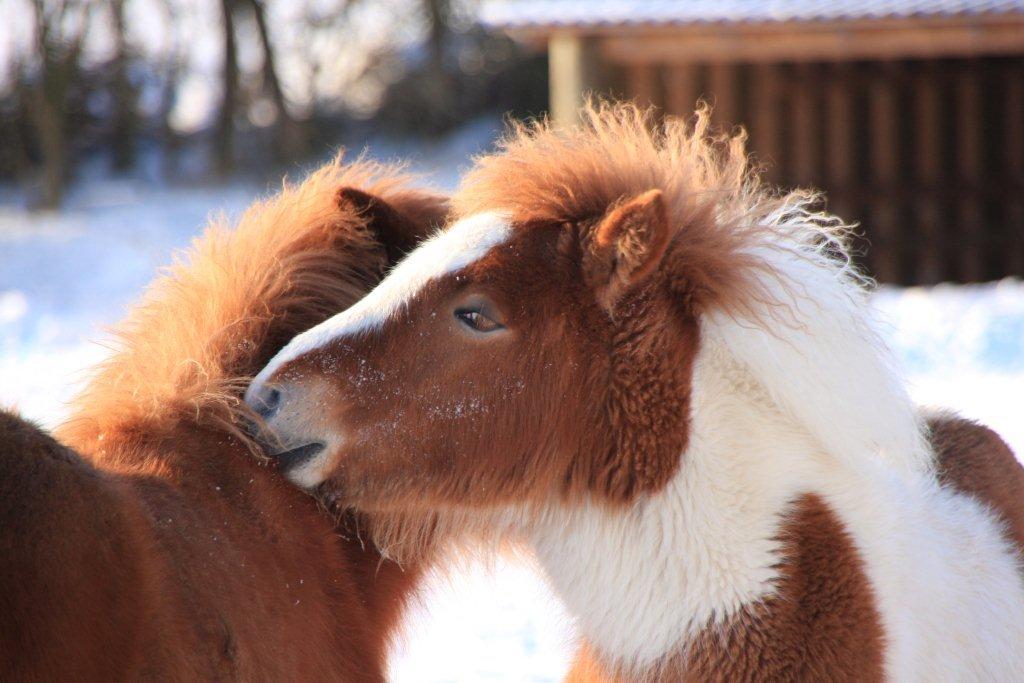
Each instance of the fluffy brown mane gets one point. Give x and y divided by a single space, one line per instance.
238 295
716 203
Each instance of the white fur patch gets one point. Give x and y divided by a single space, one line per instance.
643 582
805 401
447 251
821 360
309 474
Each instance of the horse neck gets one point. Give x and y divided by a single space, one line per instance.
206 481
646 581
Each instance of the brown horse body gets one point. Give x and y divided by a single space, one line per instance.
165 550
665 379
200 571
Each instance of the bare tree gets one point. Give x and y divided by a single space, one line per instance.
14 159
442 85
172 69
290 139
125 122
438 11
224 143
59 32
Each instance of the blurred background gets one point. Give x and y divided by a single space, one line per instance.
125 123
189 90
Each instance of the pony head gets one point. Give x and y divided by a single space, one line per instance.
542 346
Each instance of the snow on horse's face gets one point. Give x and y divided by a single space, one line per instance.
501 362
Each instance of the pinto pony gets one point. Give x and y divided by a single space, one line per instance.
664 377
162 549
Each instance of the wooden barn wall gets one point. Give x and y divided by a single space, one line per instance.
927 156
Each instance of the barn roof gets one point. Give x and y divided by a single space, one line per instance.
597 14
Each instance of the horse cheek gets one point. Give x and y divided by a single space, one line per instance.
648 412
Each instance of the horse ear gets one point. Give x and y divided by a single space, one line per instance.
627 246
397 232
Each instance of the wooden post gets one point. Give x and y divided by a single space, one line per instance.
681 90
765 128
882 231
722 91
928 174
574 72
839 148
643 84
970 245
804 140
1013 145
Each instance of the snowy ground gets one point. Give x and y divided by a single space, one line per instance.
64 276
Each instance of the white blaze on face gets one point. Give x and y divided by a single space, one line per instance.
448 251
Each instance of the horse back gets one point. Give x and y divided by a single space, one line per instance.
976 461
72 578
188 572
251 572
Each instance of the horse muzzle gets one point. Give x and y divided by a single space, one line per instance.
283 429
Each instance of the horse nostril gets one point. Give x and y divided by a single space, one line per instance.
267 402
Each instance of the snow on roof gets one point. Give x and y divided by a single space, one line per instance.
513 14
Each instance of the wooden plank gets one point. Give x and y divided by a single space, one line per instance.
765 124
722 93
805 138
574 67
810 41
1013 146
970 243
642 84
927 110
839 149
882 230
1013 104
1007 22
681 89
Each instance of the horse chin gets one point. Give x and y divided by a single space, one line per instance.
296 457
306 465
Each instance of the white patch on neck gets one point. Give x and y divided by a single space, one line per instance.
806 402
820 359
643 582
446 252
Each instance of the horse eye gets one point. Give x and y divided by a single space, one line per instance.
477 320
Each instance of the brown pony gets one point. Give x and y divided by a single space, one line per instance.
665 379
162 549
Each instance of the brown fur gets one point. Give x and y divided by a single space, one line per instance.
821 624
970 457
715 203
588 342
583 395
973 459
561 187
597 336
239 297
170 552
